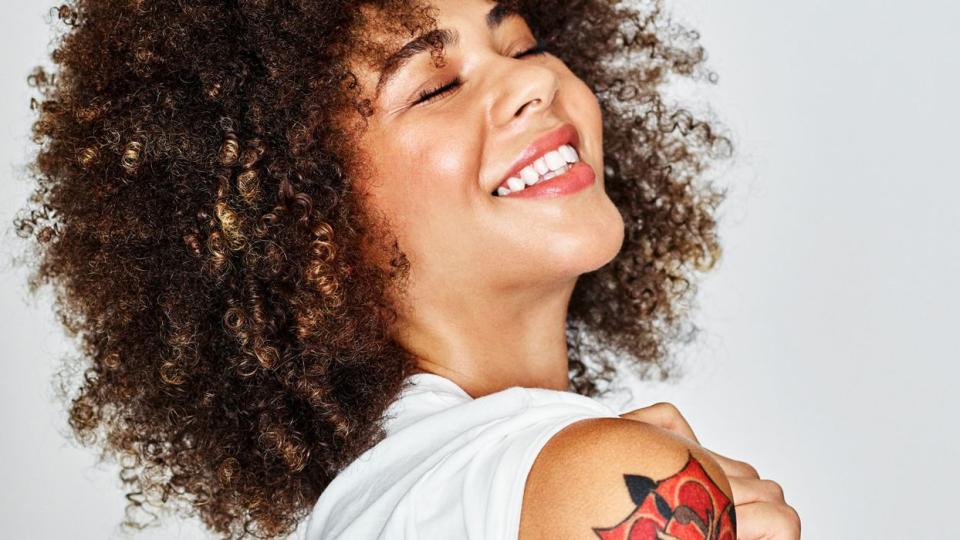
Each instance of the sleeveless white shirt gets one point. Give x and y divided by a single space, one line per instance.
450 467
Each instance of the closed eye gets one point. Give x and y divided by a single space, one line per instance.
428 95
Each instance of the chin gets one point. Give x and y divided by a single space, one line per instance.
608 245
593 247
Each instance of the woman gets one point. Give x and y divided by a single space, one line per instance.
346 262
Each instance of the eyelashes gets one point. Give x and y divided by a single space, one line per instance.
428 95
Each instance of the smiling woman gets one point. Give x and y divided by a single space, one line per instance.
367 261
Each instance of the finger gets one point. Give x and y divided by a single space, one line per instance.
733 467
767 521
664 415
667 416
748 490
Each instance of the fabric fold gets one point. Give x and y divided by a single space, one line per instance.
451 466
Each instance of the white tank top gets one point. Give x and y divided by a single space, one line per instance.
451 466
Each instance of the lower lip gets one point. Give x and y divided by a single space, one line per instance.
578 176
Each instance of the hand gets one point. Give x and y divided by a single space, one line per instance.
762 514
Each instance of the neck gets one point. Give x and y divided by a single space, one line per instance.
487 343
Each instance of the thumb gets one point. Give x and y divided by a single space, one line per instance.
665 416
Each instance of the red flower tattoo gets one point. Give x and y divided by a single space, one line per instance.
685 506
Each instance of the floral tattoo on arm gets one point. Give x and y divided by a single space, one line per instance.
685 506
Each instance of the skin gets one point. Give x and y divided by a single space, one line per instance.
700 509
245 219
491 277
762 513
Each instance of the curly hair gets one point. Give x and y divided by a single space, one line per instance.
193 214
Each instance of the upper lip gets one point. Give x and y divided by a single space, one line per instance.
563 134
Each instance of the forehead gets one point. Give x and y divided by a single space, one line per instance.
399 20
385 28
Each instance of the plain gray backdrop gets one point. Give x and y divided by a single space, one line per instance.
828 356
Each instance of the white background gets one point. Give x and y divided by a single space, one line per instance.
828 357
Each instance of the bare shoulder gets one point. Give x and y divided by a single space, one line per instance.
614 478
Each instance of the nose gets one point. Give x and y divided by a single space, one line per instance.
527 90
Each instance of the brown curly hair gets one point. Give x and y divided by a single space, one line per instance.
193 213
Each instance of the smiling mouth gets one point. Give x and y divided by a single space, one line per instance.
552 163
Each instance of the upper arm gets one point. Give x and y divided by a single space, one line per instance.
612 478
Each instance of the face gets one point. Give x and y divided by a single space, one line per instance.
434 163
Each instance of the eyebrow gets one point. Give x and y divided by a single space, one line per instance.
442 37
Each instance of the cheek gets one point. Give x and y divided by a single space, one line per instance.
585 108
426 175
583 94
436 160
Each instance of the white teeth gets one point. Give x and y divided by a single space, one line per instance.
541 166
551 164
569 153
529 175
554 160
